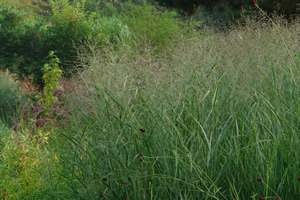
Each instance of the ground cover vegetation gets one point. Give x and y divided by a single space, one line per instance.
135 101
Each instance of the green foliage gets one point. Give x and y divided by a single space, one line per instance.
72 26
25 164
229 9
150 25
51 76
30 6
4 131
205 122
69 27
32 52
23 50
186 6
27 157
11 28
28 41
111 30
287 7
200 121
10 96
93 5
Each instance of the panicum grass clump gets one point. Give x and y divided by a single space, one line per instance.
11 95
212 115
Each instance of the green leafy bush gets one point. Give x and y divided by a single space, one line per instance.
11 29
27 40
148 24
52 75
229 9
22 50
110 29
71 26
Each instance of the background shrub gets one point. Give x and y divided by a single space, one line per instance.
22 51
27 40
68 27
11 29
228 10
111 29
72 26
150 25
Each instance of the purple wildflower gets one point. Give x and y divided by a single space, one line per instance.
39 122
54 111
62 114
56 103
57 92
53 121
91 112
65 122
25 114
15 127
93 91
37 108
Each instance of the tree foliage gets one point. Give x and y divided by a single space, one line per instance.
188 7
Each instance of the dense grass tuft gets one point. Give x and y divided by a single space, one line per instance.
205 120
